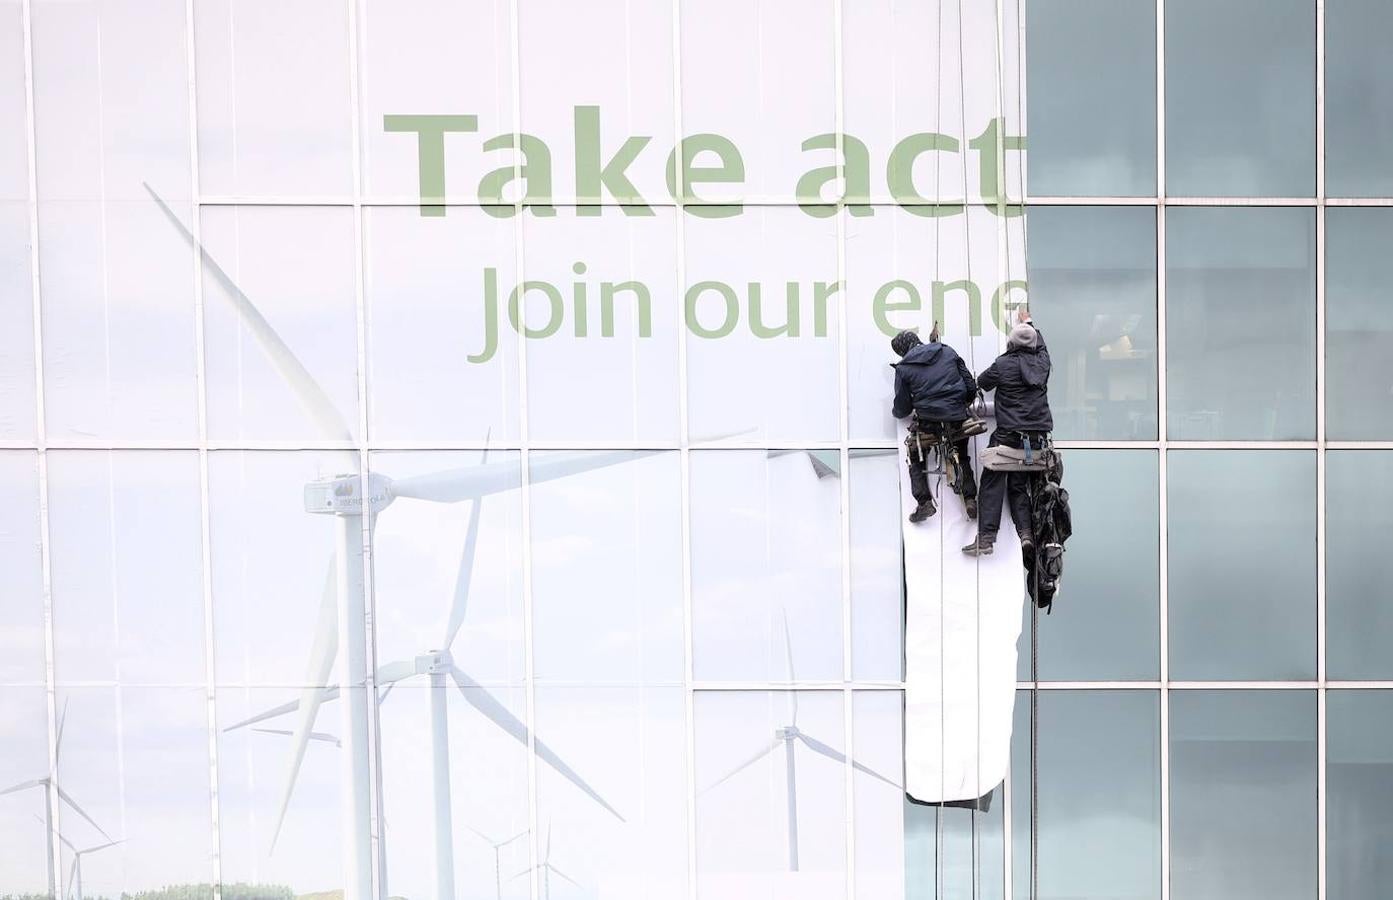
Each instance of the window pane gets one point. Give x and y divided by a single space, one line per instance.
1242 572
761 317
1358 98
877 576
439 369
1358 367
1359 531
600 296
1243 795
295 266
1098 802
17 396
21 570
1091 67
776 825
1240 98
1093 285
1240 324
766 561
607 569
127 576
418 564
629 745
1359 794
1105 623
23 814
14 152
136 760
256 137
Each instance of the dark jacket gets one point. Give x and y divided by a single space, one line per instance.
1020 378
935 382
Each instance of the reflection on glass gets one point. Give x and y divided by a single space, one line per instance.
252 140
291 371
127 576
766 565
879 808
628 745
1359 531
21 570
1243 795
1358 98
14 154
1358 367
1359 794
1240 323
136 761
1242 570
24 812
256 768
607 568
877 577
771 794
1084 57
1106 625
1240 98
1093 286
431 596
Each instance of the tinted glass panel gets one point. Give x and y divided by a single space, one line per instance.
1359 531
1358 367
1242 532
1358 98
1359 798
1240 324
1093 284
1091 68
1240 98
1243 795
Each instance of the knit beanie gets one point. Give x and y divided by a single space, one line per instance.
1023 335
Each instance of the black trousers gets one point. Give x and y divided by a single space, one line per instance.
919 463
1011 486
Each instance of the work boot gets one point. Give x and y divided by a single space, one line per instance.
922 511
971 504
981 545
1027 550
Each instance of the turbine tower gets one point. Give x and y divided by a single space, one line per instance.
788 736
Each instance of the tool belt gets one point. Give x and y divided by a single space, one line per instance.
1030 457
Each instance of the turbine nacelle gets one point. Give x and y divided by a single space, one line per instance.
343 495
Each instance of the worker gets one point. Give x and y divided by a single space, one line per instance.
935 386
1020 377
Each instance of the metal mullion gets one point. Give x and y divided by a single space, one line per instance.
1321 741
1163 453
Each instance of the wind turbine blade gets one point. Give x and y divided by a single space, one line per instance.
792 674
329 694
465 574
103 846
24 786
764 751
454 485
519 836
62 722
480 835
817 746
563 876
525 872
80 811
66 843
72 874
479 698
393 672
322 653
314 735
312 397
825 463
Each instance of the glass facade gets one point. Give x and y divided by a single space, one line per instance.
658 653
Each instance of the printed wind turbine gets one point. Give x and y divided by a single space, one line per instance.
49 783
341 619
497 847
75 870
547 870
788 737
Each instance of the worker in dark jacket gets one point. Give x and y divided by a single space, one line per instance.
1020 377
936 386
